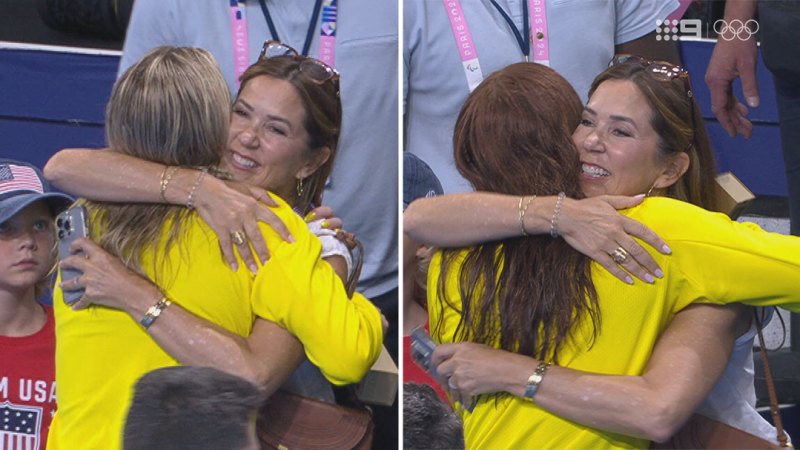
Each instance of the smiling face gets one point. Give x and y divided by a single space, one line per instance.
617 143
26 243
268 142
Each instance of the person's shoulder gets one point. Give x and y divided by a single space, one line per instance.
672 218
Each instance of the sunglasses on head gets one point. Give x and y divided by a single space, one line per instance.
316 70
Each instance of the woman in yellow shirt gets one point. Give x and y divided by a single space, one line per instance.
172 108
506 142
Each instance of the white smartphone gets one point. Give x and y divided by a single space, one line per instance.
70 225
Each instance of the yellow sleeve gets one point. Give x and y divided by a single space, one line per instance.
721 261
302 293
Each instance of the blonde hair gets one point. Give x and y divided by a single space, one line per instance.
171 107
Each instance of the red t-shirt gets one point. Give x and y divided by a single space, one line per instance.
27 387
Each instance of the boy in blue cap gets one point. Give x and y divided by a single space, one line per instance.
27 337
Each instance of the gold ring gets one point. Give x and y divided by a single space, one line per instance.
620 255
238 237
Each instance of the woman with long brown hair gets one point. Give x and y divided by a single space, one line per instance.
597 324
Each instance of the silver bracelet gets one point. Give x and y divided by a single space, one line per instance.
554 219
535 380
154 311
190 199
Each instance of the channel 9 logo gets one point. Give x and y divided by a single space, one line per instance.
671 30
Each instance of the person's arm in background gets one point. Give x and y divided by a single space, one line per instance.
592 226
635 29
687 361
732 59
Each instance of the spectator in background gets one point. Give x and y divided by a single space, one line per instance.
428 422
192 408
578 41
735 57
27 334
358 38
419 181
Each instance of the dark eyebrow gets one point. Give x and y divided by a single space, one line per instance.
613 117
269 117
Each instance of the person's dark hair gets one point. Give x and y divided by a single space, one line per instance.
428 422
323 119
672 121
513 136
191 408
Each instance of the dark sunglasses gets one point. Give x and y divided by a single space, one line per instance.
663 71
316 70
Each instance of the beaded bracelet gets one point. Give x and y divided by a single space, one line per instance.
554 219
154 311
522 210
534 380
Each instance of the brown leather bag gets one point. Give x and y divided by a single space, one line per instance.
289 421
701 432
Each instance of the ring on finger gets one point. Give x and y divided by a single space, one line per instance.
238 237
620 255
452 384
76 281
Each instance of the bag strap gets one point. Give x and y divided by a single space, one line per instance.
773 396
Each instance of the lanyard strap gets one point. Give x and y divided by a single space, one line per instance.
311 23
241 44
535 12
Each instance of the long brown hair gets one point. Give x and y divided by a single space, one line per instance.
672 113
323 118
513 136
171 107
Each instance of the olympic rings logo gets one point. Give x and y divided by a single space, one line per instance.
736 29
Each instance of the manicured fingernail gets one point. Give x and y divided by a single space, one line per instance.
649 278
639 196
659 273
253 268
752 101
628 279
325 224
234 267
291 239
310 216
665 248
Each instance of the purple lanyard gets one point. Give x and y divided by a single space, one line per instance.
537 11
241 44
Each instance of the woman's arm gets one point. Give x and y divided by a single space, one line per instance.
687 361
227 207
267 357
591 226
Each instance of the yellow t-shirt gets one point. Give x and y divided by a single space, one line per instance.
101 352
713 260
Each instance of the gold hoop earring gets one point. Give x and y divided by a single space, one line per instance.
649 191
300 188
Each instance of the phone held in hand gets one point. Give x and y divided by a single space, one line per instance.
71 225
422 347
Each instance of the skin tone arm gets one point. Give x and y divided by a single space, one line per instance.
687 361
225 206
730 60
591 226
649 47
267 357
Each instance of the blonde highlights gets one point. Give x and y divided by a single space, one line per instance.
171 107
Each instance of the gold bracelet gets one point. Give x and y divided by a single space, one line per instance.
190 199
534 380
166 176
522 211
154 311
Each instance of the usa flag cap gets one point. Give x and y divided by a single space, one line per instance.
21 184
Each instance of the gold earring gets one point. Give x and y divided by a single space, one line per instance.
300 187
649 191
